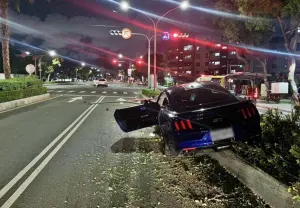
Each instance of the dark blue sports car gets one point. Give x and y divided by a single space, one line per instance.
195 116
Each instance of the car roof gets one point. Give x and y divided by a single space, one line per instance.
193 85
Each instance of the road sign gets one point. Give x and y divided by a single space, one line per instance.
126 33
115 32
166 36
74 99
30 68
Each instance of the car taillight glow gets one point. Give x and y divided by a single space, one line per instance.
183 125
248 112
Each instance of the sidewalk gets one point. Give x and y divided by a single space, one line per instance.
284 107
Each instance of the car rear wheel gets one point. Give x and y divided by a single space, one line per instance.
168 146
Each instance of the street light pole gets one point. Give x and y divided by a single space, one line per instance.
149 57
155 42
183 5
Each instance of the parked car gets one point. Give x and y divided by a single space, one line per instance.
195 116
100 82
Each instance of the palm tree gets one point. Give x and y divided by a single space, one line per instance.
4 5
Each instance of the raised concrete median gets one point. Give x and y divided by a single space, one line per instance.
271 190
23 102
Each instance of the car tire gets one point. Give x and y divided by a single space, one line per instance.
168 146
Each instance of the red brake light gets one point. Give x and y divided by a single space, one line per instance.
183 125
189 124
244 114
248 111
177 126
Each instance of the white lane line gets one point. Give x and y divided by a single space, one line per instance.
136 93
71 91
115 92
35 173
8 186
50 90
93 92
125 93
104 92
82 92
60 91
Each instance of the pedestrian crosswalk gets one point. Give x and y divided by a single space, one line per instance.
92 92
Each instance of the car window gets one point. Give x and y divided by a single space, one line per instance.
163 100
203 97
102 80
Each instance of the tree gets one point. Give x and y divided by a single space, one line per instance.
245 32
4 5
287 15
51 67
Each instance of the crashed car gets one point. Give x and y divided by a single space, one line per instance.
195 116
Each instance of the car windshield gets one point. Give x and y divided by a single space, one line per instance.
203 97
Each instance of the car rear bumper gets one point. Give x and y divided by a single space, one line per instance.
203 140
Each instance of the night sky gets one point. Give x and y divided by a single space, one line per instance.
64 24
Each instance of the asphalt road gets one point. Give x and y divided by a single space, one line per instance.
59 151
96 91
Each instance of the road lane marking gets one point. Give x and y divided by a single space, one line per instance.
60 91
136 93
104 92
82 92
35 173
125 93
50 90
74 99
71 91
115 92
93 92
8 186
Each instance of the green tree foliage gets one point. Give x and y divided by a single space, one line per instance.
251 31
287 15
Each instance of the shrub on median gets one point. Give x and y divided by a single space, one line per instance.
279 151
20 83
150 93
18 88
6 96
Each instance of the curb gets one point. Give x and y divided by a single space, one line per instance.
271 190
23 102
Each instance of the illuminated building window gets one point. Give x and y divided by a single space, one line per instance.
217 54
188 48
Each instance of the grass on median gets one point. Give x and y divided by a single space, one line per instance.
150 92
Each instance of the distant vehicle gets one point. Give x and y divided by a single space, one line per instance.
195 117
216 79
100 82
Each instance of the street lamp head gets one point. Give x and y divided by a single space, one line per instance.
124 5
27 53
52 53
184 5
120 56
82 64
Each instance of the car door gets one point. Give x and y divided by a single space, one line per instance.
137 117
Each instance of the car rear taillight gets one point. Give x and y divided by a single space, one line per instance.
183 125
248 112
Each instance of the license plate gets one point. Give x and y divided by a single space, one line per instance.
220 134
